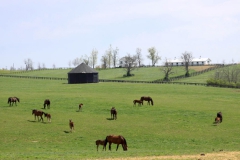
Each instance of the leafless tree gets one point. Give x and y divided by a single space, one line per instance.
39 66
69 64
54 66
167 69
29 64
187 59
109 55
114 56
130 63
104 61
86 60
139 56
76 61
43 66
93 57
153 55
229 74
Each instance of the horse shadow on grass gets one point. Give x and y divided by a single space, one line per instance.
110 119
33 121
66 131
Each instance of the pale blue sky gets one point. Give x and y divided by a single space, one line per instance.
58 31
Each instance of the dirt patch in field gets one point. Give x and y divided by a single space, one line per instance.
202 156
199 68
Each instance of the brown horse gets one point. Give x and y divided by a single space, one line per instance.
71 125
116 140
46 103
219 114
100 142
148 99
217 120
38 114
80 106
113 113
137 101
48 116
12 100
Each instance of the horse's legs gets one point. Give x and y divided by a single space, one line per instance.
109 146
117 147
97 147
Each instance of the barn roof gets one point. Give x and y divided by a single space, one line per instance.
83 68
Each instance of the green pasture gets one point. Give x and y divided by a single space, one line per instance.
180 122
140 74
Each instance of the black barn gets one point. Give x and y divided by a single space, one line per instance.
82 74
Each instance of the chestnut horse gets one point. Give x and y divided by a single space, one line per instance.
80 106
116 140
38 114
217 120
100 142
137 101
48 116
12 100
71 125
46 103
113 113
149 99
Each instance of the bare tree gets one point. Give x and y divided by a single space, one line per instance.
167 69
39 66
43 66
130 64
76 61
139 56
104 61
93 57
114 56
153 55
69 64
29 64
86 60
109 55
54 66
187 59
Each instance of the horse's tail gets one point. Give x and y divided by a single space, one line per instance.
106 141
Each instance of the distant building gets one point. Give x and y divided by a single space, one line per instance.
82 74
195 62
123 62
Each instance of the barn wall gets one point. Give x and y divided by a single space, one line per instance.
82 78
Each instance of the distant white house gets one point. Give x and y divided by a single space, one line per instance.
123 62
195 62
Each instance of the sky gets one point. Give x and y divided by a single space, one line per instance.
55 32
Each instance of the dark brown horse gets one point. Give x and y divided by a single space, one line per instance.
71 125
48 116
219 114
137 101
80 106
38 114
113 112
101 142
116 140
148 99
46 103
12 100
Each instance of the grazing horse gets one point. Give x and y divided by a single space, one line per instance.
116 140
217 120
48 116
46 103
113 113
101 142
149 99
38 114
219 114
12 100
137 101
80 106
71 125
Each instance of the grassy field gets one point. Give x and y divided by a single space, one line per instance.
140 74
180 122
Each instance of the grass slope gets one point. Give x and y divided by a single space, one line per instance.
180 122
